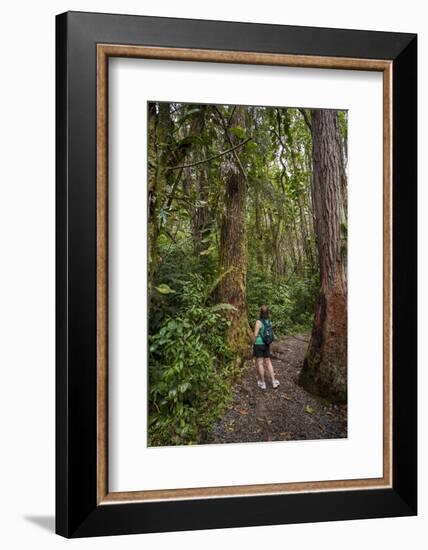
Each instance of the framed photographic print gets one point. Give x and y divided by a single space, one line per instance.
236 274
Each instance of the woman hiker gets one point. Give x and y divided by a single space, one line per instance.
263 337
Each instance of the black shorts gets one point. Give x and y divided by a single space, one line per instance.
261 350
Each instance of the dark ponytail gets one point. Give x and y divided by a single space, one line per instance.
264 312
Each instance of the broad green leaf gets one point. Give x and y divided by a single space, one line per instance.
164 289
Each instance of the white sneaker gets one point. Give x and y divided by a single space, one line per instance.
261 385
275 384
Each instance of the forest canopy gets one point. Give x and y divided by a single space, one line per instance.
246 206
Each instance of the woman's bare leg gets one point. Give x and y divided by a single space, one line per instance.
268 364
260 369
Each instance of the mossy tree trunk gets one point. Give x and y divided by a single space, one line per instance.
233 244
324 370
164 155
201 213
259 231
159 160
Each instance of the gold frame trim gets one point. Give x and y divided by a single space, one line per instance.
104 51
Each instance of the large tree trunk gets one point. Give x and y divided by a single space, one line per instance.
233 245
324 370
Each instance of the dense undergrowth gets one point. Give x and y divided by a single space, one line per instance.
191 369
231 190
291 300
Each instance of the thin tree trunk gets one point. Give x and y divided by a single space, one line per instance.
298 254
324 370
309 202
258 237
200 214
160 131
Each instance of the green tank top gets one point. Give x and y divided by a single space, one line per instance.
259 339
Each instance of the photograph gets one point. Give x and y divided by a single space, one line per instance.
236 266
247 235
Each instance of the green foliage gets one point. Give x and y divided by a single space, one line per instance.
343 123
190 369
264 289
304 291
238 132
291 301
177 265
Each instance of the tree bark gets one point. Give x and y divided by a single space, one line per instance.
201 215
233 245
258 237
159 128
324 370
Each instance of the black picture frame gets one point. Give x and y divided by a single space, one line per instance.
77 511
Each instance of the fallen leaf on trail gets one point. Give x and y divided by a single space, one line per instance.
309 409
287 397
243 412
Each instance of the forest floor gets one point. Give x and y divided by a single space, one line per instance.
285 413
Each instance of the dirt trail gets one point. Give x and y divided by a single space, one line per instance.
285 413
